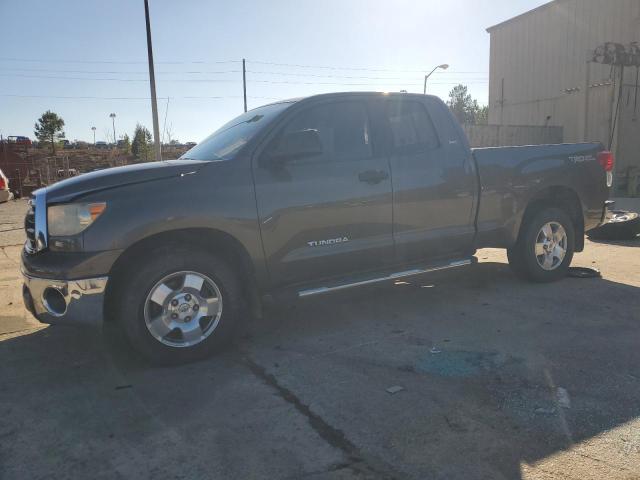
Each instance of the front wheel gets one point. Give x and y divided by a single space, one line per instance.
545 246
179 305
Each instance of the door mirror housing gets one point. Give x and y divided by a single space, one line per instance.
298 144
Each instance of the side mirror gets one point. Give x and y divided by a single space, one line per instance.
298 144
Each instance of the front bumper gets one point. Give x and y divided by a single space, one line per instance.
68 302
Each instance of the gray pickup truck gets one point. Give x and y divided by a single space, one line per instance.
295 199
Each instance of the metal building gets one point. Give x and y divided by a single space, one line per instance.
573 63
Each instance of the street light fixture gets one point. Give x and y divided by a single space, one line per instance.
113 120
94 135
444 66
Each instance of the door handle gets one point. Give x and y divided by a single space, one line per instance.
373 176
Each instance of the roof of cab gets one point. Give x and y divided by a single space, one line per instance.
351 94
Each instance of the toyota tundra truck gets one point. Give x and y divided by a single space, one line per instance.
296 199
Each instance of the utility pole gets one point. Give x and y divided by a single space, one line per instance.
244 83
152 82
19 181
113 120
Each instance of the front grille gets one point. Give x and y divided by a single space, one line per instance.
30 227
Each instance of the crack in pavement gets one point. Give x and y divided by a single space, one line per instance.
333 436
7 255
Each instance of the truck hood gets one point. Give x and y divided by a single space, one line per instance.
75 187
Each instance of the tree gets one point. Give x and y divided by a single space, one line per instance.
48 129
169 139
141 141
482 115
126 143
465 108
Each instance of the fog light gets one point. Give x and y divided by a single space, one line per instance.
54 301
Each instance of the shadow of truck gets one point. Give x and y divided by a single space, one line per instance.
481 358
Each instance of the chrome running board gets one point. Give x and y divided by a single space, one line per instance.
393 276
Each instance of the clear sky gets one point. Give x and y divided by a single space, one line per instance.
93 55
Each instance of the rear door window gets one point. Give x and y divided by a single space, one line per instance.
411 126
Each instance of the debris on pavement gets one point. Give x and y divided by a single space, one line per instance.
562 396
623 225
545 411
434 350
463 363
584 272
395 389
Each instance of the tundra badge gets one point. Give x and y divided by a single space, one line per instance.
330 241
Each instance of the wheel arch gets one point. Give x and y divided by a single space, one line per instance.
562 197
207 239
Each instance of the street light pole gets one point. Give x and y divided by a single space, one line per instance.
113 120
152 83
444 66
244 83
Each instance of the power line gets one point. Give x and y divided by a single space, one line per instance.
219 72
293 65
55 77
127 72
118 62
284 82
297 65
78 97
326 76
217 80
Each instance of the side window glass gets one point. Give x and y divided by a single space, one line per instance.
343 130
411 126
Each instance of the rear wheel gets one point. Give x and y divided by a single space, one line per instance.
177 305
545 246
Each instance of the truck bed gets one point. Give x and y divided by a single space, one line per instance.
511 177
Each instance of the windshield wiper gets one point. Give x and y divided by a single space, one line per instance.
215 157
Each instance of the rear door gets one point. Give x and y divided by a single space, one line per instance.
331 214
434 182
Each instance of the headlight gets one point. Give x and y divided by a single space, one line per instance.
73 218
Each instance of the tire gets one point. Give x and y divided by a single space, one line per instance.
522 256
623 225
163 287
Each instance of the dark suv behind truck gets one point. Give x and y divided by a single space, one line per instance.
294 199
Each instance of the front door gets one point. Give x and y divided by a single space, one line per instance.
329 214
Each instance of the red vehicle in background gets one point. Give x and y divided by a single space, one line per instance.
19 140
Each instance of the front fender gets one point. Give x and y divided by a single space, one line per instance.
220 198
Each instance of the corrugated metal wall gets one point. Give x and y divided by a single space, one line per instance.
539 71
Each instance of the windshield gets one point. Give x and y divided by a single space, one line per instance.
225 142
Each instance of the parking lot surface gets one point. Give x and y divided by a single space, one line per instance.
465 374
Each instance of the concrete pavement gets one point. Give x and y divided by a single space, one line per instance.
498 379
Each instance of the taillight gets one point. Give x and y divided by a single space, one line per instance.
606 160
3 184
